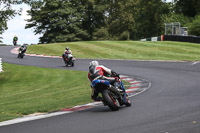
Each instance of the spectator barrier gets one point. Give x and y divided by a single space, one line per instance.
157 38
178 38
192 39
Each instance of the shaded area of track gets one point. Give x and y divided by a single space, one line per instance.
171 105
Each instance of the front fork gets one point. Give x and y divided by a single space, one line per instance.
124 91
125 94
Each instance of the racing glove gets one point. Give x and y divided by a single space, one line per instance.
114 74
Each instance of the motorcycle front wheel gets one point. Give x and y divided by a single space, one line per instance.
128 102
20 56
72 63
110 100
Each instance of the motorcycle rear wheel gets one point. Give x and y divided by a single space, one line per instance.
112 103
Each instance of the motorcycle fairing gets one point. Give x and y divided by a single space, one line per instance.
94 82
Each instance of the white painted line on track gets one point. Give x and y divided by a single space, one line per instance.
134 85
127 79
123 76
132 82
144 89
134 89
30 118
194 63
89 104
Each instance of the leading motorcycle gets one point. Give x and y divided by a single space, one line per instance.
14 42
112 96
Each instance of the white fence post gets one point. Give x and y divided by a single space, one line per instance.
1 68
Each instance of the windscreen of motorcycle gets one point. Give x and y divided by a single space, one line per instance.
70 55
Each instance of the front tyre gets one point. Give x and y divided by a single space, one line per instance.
128 102
72 63
110 100
66 63
19 56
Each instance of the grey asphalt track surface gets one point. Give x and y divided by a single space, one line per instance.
171 105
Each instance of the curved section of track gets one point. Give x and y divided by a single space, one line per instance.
171 105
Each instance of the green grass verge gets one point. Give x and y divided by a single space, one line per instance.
134 50
25 90
3 45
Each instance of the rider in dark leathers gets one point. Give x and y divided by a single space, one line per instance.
23 49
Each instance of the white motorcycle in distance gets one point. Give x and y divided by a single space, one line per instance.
69 61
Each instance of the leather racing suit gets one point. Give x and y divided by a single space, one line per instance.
102 72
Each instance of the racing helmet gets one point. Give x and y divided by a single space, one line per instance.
94 63
67 48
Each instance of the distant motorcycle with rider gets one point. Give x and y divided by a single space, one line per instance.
15 39
22 51
68 57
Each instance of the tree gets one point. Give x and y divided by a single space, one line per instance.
149 22
6 13
58 21
188 7
94 16
173 17
74 20
121 18
194 26
100 34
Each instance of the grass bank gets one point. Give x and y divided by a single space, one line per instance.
26 90
134 50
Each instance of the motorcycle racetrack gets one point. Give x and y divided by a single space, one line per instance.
170 105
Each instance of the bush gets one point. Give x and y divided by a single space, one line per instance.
173 17
194 26
125 36
101 34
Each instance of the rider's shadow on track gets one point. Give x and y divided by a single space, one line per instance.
67 67
101 109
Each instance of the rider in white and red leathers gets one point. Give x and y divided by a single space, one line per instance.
97 71
66 53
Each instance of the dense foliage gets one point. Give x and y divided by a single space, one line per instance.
189 8
194 26
79 20
74 20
